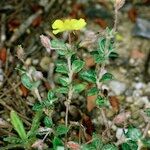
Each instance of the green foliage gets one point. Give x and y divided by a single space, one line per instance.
26 81
101 101
147 112
146 142
48 122
96 143
64 80
61 129
13 140
35 124
113 55
57 142
62 90
133 134
101 44
77 65
18 125
60 46
61 67
79 87
129 145
88 75
106 77
50 95
37 107
93 91
109 147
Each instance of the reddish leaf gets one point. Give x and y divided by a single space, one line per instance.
89 61
37 21
114 101
87 123
24 90
3 54
73 146
13 24
47 85
132 14
75 9
101 22
91 102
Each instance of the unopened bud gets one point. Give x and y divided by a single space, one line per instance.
46 42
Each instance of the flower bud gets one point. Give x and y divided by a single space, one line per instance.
46 42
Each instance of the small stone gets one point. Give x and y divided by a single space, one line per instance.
45 62
138 85
117 87
130 99
35 62
120 133
28 62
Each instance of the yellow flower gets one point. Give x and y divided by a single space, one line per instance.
67 25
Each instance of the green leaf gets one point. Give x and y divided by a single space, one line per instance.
97 141
49 103
88 75
18 125
50 95
35 124
113 55
99 58
26 81
109 147
64 80
106 77
61 67
77 65
60 46
57 142
37 107
146 142
147 112
79 87
102 101
101 44
62 90
129 145
61 129
92 91
133 134
13 140
87 147
48 122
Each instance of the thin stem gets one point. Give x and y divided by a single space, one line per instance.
115 19
70 74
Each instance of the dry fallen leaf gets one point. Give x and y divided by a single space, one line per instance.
91 102
24 90
132 14
89 61
137 54
114 101
87 123
3 54
101 22
73 146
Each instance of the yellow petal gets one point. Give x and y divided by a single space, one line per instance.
79 24
58 24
